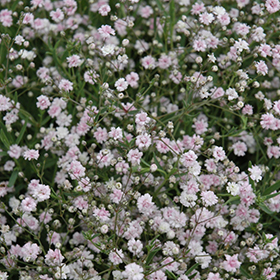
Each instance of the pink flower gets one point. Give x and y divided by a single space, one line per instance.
197 8
200 126
208 198
28 204
268 121
148 62
102 214
6 17
116 196
239 148
4 103
104 10
116 256
146 11
160 275
132 79
214 276
219 153
261 67
134 156
199 45
163 145
31 154
272 6
269 273
76 170
164 62
206 18
135 247
14 151
74 61
142 119
101 135
133 271
30 252
231 264
80 203
224 19
54 257
43 102
145 204
41 192
188 158
105 31
65 85
121 84
143 141
57 15
255 173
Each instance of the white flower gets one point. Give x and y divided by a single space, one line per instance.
233 188
255 173
108 49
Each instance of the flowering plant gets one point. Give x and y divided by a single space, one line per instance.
140 139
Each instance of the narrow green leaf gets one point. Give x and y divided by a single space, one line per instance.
50 163
4 139
245 273
13 178
159 166
45 120
3 154
269 196
170 274
26 115
159 4
152 244
272 188
21 133
191 269
266 209
151 255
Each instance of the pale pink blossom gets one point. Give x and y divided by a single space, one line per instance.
208 198
132 79
231 264
219 153
145 204
76 170
134 156
148 62
133 271
30 252
43 102
14 151
65 85
239 148
74 61
121 84
104 10
31 154
54 257
255 173
102 214
106 31
261 67
28 204
272 6
57 15
116 256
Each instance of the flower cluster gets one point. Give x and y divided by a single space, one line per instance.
140 139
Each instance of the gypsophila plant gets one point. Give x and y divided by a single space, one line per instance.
139 139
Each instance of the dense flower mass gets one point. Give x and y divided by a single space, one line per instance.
139 139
